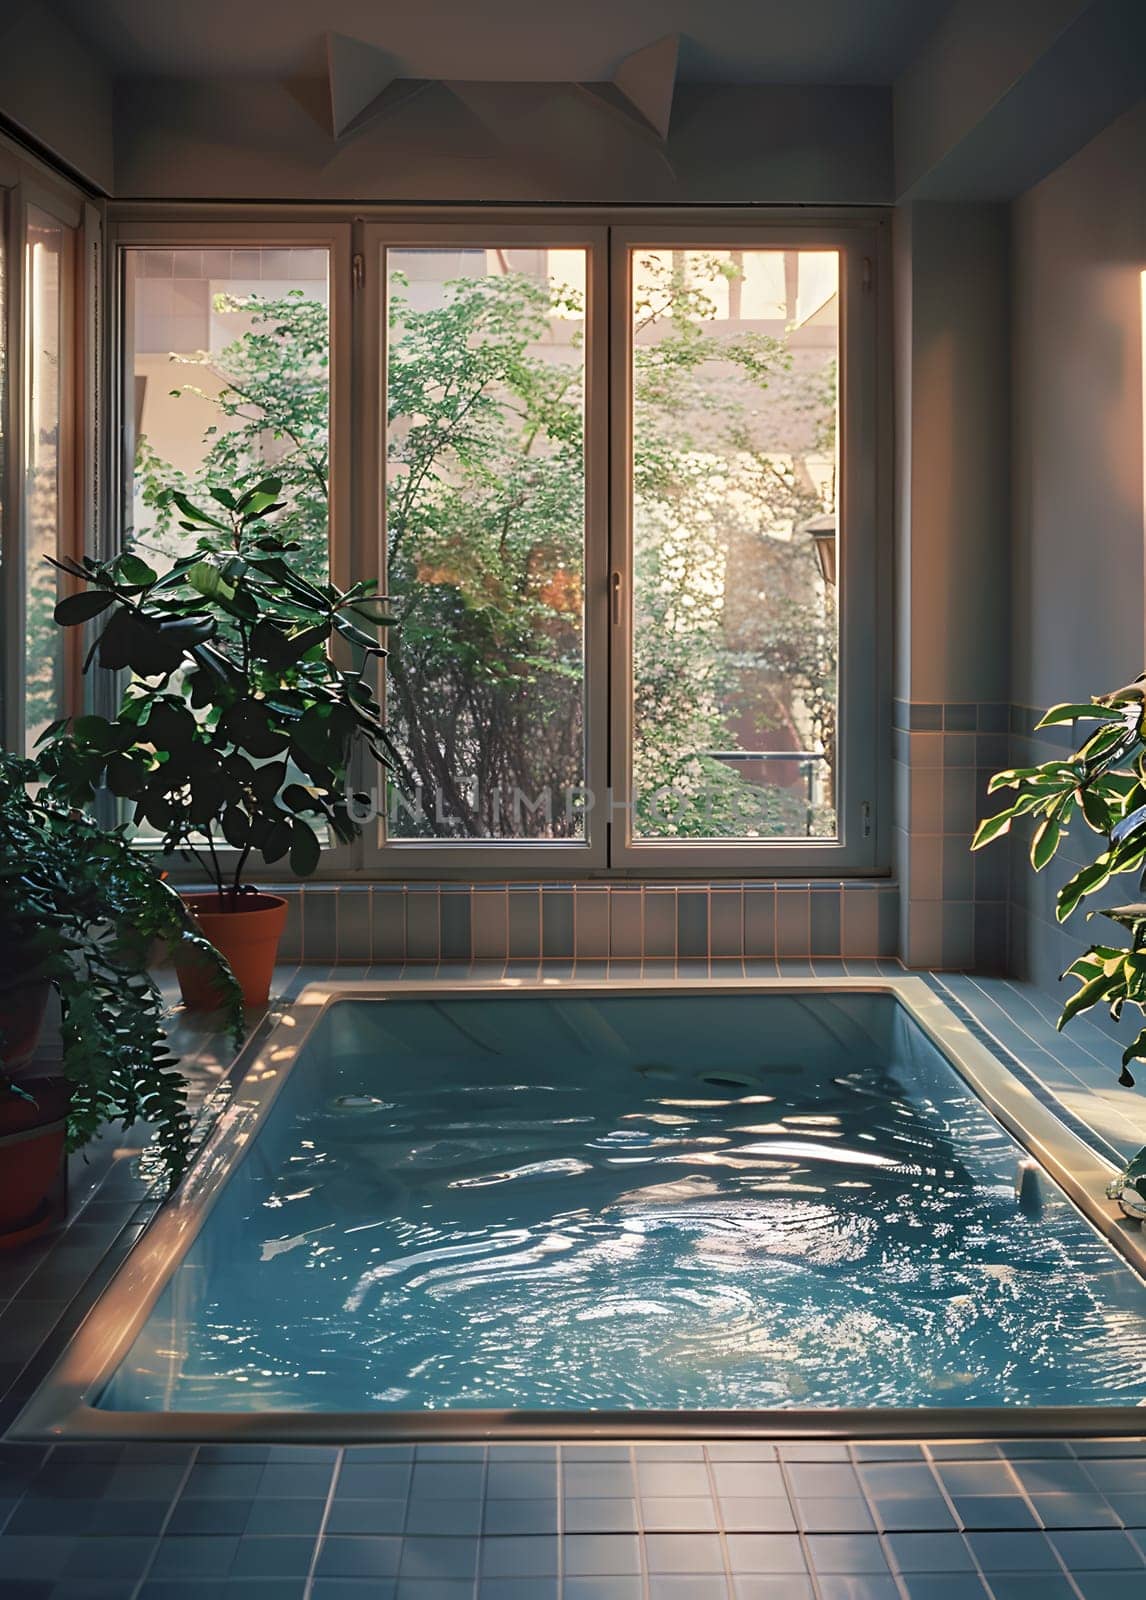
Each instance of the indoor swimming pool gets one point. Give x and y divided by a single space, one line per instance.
747 1202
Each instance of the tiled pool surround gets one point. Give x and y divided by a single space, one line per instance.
1018 1519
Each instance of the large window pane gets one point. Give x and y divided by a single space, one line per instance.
45 508
228 378
485 490
734 505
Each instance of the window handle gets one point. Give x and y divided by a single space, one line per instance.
615 586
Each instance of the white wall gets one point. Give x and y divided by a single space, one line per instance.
1078 257
1079 253
53 89
953 452
511 142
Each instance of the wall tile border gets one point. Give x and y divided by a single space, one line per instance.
692 921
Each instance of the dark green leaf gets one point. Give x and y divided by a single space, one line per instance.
305 850
76 608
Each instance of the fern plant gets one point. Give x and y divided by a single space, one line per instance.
81 910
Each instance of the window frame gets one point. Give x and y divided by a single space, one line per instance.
346 549
498 857
26 185
861 668
355 235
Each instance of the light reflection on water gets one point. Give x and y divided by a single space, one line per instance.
581 1229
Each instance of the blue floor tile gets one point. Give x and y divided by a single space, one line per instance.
929 1552
364 1516
1090 1550
1109 1585
274 1557
789 1587
765 1553
597 1587
857 1553
522 1557
945 1586
1075 1511
907 1516
353 1557
684 1552
1012 1552
977 1511
591 1555
617 1515
858 1586
538 1516
1032 1586
435 1558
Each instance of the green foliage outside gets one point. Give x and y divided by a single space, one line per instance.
485 534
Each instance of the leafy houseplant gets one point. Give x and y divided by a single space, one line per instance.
237 724
1103 784
79 912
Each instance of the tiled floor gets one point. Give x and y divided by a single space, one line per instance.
584 1522
739 1521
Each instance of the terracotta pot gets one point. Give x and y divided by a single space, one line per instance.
246 929
21 1018
32 1144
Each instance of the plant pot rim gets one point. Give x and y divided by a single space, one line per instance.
210 903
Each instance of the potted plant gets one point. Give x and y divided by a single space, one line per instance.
79 913
246 698
1103 785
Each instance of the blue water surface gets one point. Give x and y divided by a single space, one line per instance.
717 1201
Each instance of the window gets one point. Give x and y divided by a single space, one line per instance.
485 539
227 381
42 446
46 455
620 487
733 448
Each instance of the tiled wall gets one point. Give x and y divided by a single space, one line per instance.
954 905
944 908
590 921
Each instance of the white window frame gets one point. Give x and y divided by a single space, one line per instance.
26 185
862 663
498 857
356 238
347 551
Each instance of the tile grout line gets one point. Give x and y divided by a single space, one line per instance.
559 1466
801 1535
721 1532
320 1536
639 1518
166 1523
479 1553
897 1577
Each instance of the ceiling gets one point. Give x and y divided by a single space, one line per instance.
722 41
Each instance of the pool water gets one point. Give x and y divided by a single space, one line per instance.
634 1202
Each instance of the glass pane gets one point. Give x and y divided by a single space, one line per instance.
485 494
734 529
228 376
45 244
